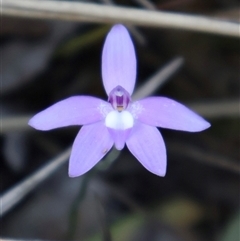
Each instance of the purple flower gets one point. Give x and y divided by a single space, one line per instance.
118 120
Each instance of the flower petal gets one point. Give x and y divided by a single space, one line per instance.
118 60
167 113
77 110
91 144
119 137
147 145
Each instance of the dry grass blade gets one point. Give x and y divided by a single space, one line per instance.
10 124
17 193
158 79
88 12
217 109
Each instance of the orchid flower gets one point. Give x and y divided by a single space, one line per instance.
118 120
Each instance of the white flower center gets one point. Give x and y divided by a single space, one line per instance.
119 120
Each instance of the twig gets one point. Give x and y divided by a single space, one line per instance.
88 12
16 194
158 79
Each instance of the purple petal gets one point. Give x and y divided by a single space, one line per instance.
147 145
77 110
118 60
92 143
119 137
167 113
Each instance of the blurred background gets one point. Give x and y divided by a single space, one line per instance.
44 61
